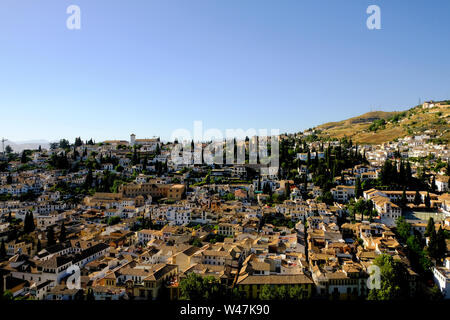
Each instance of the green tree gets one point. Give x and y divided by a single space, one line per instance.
267 293
433 184
135 158
358 188
64 144
327 197
50 237
89 179
24 158
418 256
195 287
417 198
435 293
267 189
78 142
113 220
296 292
432 248
197 243
2 250
90 295
237 295
427 201
282 293
403 229
441 245
430 227
394 283
403 200
7 295
408 173
28 225
62 233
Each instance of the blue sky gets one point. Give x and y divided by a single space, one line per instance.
153 66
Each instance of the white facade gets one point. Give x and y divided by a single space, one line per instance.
442 278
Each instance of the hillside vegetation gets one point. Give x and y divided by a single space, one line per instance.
378 126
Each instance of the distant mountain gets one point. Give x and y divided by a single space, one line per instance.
19 146
379 126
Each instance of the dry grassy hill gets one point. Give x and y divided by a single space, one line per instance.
379 126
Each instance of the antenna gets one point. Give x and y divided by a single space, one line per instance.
3 145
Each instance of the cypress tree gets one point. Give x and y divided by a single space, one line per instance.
432 244
50 237
28 225
90 295
134 160
404 200
62 233
328 158
428 201
386 173
402 173
441 245
417 198
433 184
430 227
394 176
89 179
32 226
23 159
2 250
408 173
26 220
358 188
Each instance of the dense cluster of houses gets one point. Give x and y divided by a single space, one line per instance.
173 224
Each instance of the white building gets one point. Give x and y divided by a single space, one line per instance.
442 278
343 193
442 183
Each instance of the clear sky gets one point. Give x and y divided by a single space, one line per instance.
153 66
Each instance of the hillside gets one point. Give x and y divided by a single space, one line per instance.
27 145
379 126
